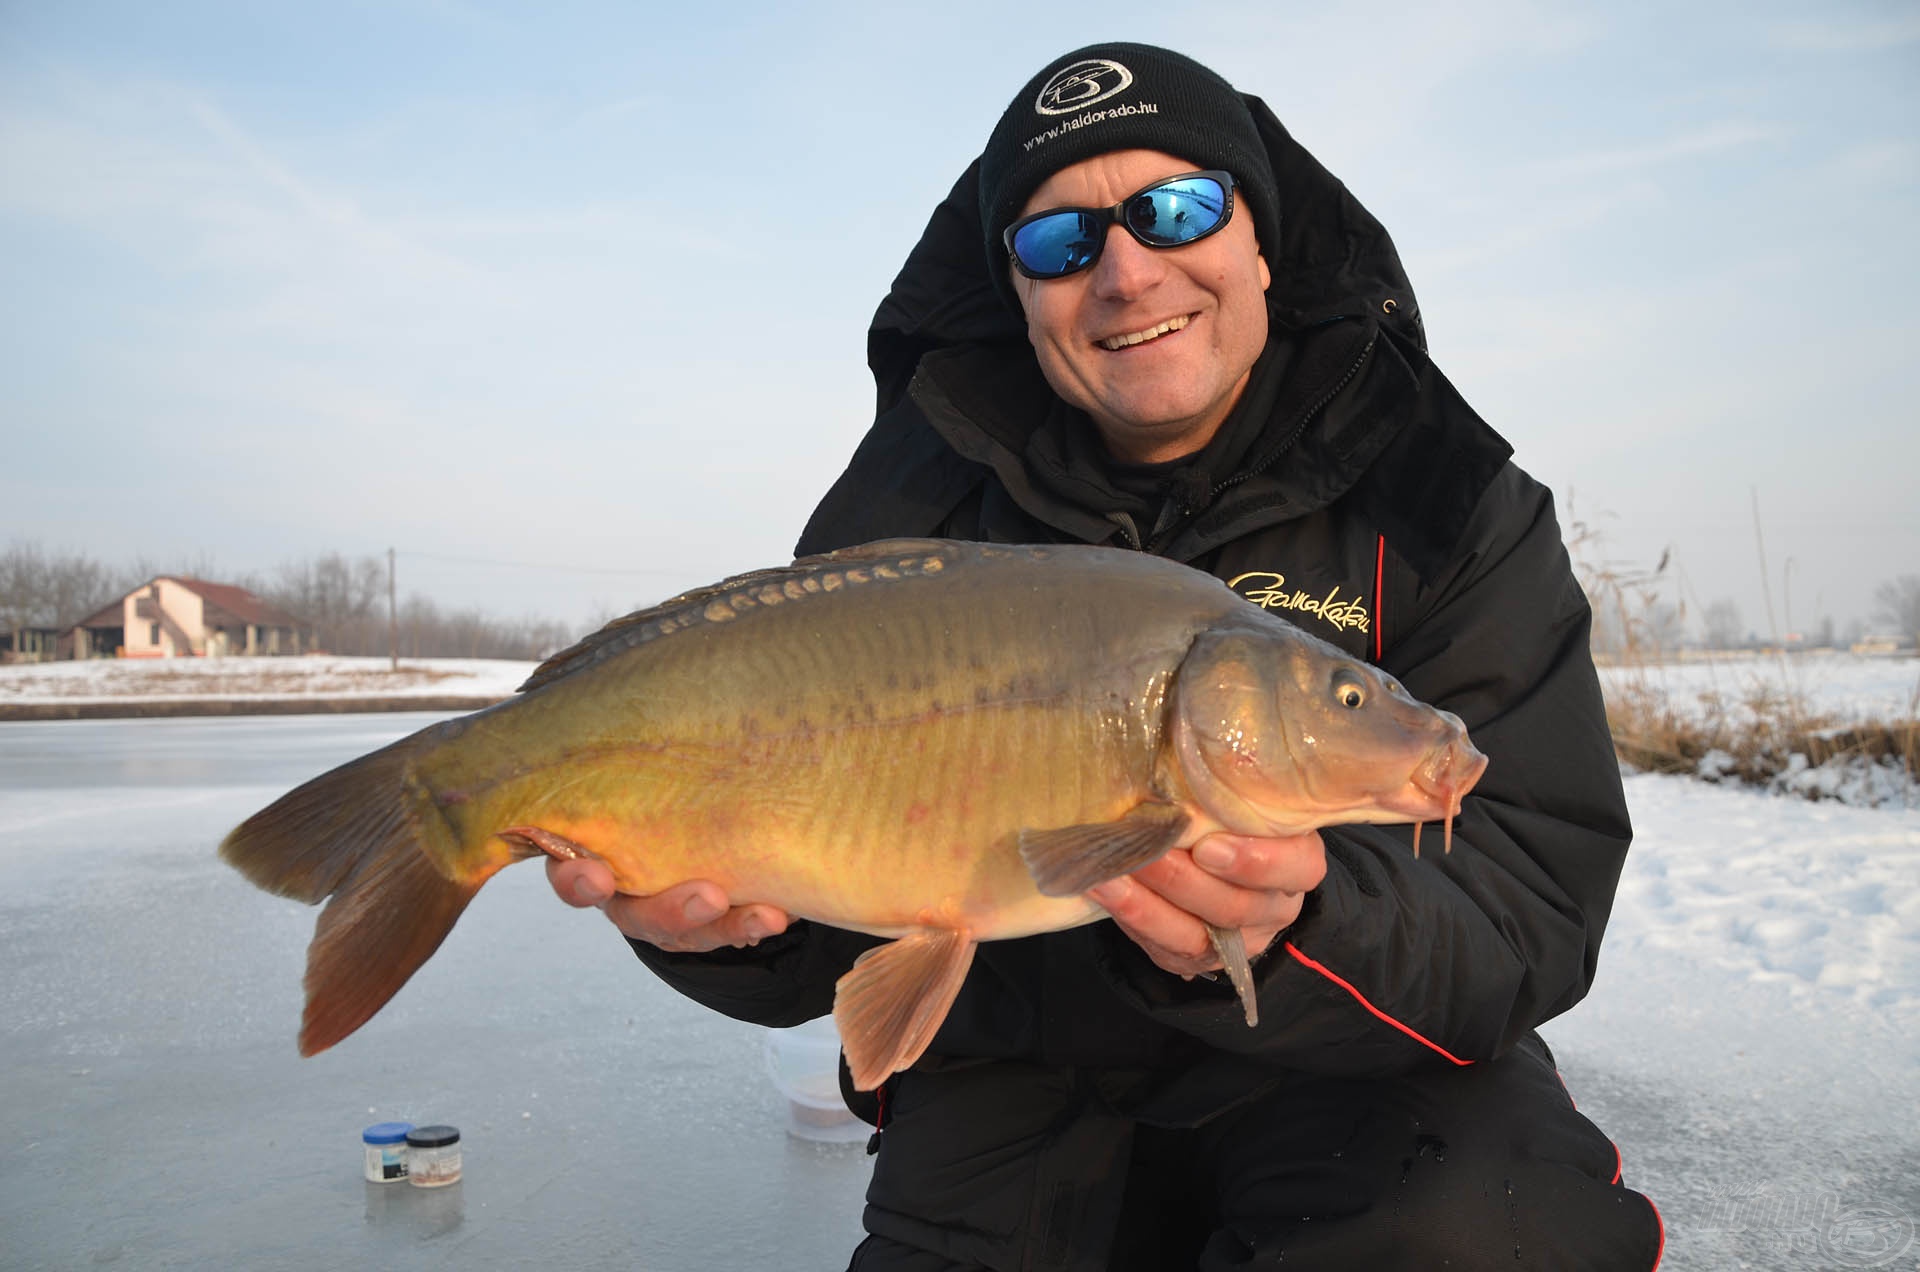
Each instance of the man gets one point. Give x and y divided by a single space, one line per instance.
1147 317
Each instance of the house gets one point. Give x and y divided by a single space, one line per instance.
174 617
30 644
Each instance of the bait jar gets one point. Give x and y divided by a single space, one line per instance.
386 1145
433 1156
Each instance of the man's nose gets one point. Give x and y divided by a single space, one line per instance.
1127 267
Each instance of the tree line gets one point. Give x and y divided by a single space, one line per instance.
1631 616
340 603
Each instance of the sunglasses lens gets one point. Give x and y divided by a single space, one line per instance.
1052 246
1177 212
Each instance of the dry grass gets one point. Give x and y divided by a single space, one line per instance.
1763 738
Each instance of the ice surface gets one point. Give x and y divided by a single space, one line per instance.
1752 1043
156 1113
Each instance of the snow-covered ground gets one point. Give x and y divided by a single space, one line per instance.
1752 1042
318 675
1843 687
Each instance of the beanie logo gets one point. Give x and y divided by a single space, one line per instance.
1080 84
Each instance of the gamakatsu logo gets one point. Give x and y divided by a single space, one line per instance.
1081 84
1268 589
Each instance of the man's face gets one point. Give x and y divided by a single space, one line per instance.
1166 395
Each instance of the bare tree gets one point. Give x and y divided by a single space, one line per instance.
42 589
1724 628
1897 602
337 598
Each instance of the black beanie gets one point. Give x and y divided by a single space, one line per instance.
1109 97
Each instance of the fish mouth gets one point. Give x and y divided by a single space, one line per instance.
1113 344
1447 774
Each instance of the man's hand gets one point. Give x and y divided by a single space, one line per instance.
688 918
1232 881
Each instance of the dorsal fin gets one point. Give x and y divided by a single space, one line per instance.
728 599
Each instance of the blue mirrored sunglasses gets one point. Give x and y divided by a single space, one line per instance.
1171 212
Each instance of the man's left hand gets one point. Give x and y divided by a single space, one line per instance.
1231 881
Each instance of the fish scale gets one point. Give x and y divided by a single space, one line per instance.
937 742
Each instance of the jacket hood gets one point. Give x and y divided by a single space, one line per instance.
959 391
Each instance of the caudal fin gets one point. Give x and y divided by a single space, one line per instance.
368 839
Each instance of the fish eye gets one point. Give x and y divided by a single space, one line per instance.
1349 693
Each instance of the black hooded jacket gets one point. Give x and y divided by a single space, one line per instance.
1354 492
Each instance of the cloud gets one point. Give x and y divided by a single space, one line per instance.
1841 36
1705 140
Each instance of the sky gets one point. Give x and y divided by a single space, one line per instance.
567 304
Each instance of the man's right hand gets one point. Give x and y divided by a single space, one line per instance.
688 918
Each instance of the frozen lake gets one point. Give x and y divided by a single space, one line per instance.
1752 1044
156 1113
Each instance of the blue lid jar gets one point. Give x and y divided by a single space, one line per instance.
386 1133
385 1144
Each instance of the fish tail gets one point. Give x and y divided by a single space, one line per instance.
370 840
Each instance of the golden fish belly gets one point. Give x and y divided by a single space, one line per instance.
877 825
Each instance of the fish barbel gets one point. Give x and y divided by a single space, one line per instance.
938 742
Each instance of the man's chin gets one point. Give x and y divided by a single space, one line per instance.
1146 435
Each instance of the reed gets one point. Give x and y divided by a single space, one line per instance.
1754 726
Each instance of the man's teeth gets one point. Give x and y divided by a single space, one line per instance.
1141 337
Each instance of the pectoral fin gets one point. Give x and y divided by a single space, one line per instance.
891 1003
1072 859
1232 949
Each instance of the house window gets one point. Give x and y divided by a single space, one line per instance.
153 633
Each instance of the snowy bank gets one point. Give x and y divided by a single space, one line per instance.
320 682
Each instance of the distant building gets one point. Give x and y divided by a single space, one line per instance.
173 617
30 644
1881 643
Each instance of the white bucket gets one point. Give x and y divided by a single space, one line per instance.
804 1063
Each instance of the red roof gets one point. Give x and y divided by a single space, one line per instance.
236 601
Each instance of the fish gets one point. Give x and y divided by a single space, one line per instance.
935 742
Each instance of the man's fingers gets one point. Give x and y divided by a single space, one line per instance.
581 882
694 917
1295 863
1172 937
691 917
1209 898
1254 886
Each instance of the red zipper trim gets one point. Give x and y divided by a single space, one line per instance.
1361 998
1379 586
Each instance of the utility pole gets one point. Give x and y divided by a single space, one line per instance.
393 619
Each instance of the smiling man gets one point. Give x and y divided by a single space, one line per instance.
1147 317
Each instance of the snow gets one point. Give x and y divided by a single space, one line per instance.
1843 687
1752 1042
316 675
